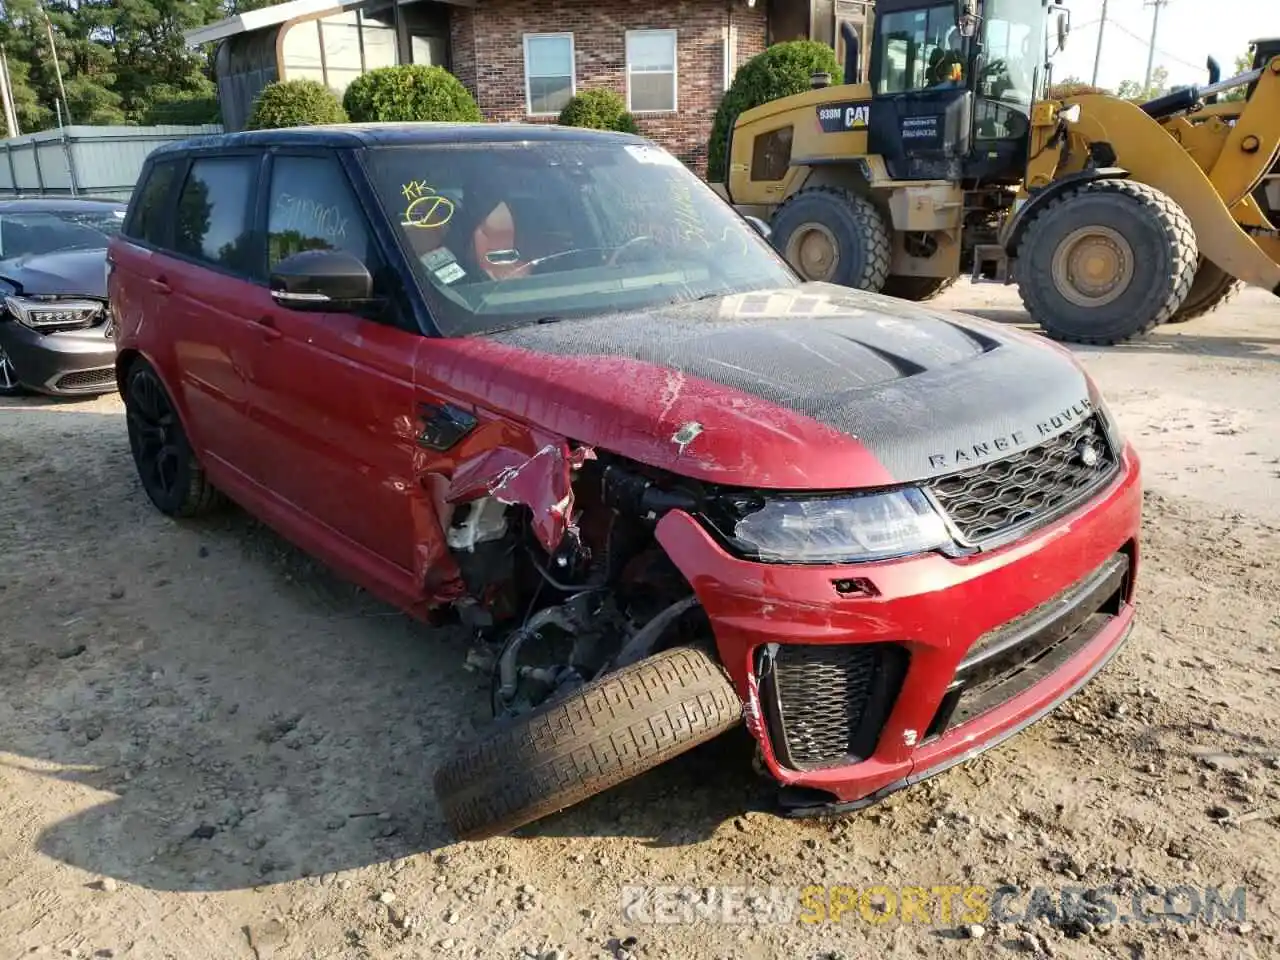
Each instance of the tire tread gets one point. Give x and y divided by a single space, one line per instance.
610 730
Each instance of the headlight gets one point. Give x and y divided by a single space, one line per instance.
824 530
50 314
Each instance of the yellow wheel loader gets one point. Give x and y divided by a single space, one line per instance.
947 160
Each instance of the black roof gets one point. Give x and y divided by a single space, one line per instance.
393 134
56 204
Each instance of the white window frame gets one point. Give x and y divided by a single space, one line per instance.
573 70
675 69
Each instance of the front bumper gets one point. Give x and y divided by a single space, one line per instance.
1066 590
66 364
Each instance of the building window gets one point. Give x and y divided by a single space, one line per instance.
549 80
651 70
336 49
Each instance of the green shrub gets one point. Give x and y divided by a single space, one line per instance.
295 103
413 92
190 110
599 110
782 70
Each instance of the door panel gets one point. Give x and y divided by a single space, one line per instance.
208 297
335 391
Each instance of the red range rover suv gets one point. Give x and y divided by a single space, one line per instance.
544 381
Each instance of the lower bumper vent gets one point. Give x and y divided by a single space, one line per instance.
825 704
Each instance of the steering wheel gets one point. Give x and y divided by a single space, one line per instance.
617 255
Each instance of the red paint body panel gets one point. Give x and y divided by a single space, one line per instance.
935 606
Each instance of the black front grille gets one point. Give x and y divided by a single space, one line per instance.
1014 657
825 704
1029 489
86 379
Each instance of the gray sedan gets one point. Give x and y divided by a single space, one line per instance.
53 296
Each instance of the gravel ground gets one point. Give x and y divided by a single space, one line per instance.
211 748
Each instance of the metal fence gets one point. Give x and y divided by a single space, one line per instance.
83 161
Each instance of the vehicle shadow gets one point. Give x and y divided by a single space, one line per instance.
1170 339
203 707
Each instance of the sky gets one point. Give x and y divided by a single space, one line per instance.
1190 30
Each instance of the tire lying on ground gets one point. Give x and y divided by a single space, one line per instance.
834 236
1106 262
918 289
1212 288
610 730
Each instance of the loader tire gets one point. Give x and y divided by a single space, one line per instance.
1212 288
834 236
610 730
918 289
1106 263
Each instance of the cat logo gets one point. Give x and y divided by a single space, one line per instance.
843 117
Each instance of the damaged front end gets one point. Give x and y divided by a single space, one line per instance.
563 579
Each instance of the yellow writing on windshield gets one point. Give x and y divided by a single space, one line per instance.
427 210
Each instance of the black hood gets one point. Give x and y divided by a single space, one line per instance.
72 273
928 392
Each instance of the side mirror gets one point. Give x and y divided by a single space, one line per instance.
323 281
760 226
1064 27
967 18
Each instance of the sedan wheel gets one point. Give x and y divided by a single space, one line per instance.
8 376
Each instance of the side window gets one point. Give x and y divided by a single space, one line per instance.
151 216
214 219
312 207
771 155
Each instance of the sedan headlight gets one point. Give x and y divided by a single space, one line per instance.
51 314
826 530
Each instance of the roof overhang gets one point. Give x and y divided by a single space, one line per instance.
277 14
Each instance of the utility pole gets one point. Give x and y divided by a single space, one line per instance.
1102 28
6 95
57 67
1151 51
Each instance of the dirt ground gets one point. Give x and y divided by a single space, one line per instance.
210 748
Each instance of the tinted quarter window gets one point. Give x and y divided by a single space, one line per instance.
312 207
151 216
214 217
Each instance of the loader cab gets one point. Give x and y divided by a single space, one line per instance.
953 83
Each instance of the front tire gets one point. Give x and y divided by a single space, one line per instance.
614 728
1107 262
171 476
834 236
10 386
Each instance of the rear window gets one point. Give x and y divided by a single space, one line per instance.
214 219
150 217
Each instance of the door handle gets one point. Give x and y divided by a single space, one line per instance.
267 324
161 285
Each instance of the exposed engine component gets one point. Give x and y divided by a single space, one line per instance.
603 598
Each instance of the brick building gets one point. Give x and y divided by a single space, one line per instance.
523 59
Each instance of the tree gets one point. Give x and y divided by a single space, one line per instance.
1243 64
1133 90
781 70
1073 87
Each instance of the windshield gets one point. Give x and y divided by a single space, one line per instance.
47 231
504 234
1013 38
